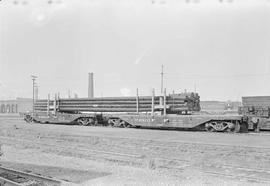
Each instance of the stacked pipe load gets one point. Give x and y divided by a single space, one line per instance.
191 99
176 103
42 104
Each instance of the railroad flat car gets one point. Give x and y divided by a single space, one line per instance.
211 123
177 111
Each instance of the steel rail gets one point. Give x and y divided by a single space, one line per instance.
234 176
50 181
7 182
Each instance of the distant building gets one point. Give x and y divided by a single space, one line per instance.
16 106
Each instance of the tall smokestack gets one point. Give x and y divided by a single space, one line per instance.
90 85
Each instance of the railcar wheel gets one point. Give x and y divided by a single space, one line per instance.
91 121
219 126
28 118
230 126
122 125
126 125
80 121
85 121
115 122
209 127
110 123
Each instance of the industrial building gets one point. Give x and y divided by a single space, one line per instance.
17 105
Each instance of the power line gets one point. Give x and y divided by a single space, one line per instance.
200 76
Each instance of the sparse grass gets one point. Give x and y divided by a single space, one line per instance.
151 164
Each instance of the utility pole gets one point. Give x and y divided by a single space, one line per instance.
33 79
36 91
162 75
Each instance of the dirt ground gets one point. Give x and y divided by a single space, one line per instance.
125 156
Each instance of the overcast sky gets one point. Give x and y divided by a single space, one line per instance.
221 48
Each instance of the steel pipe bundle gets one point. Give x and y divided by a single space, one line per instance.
175 102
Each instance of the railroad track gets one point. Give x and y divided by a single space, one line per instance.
241 178
12 177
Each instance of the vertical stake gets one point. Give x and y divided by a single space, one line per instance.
54 104
164 102
137 100
48 105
